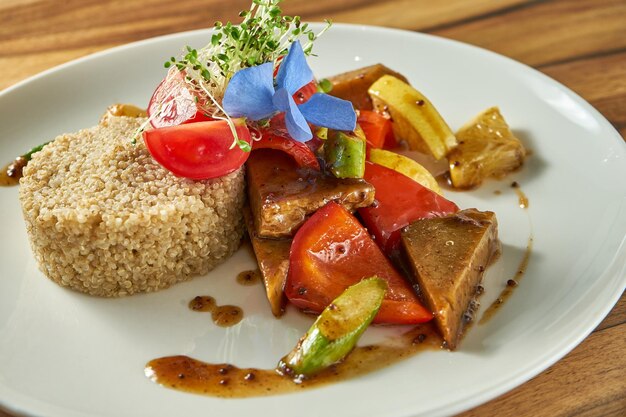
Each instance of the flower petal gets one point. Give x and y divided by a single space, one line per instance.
328 111
249 93
297 126
294 73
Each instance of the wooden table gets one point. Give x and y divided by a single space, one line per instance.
581 43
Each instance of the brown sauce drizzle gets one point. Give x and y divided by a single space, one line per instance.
511 284
521 197
12 172
223 316
248 278
224 380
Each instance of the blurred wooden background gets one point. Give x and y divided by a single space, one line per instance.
581 43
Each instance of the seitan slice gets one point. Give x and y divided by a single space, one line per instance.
353 85
447 256
272 256
282 196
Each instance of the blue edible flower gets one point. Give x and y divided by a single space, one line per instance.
251 93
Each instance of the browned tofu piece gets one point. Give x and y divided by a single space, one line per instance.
353 85
282 196
272 256
448 256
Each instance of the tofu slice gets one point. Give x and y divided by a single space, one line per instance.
272 256
448 256
282 196
353 85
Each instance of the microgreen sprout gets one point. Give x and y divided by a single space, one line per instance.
264 35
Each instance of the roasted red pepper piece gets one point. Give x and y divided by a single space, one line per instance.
300 152
275 135
400 201
332 251
376 127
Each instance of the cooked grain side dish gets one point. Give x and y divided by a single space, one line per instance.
105 219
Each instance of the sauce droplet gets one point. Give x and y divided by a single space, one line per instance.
12 172
251 277
202 303
226 316
223 316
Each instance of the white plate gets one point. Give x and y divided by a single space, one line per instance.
66 354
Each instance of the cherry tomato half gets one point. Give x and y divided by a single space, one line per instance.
198 150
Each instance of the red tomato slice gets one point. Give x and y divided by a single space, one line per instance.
401 201
376 127
303 156
332 251
198 150
172 103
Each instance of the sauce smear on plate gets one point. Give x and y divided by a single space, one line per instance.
224 380
511 284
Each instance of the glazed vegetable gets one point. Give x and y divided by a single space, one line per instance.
406 166
415 119
198 150
377 129
332 251
401 201
300 152
337 330
487 148
344 153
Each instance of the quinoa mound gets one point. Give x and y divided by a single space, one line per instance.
105 219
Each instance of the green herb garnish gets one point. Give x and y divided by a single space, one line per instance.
264 35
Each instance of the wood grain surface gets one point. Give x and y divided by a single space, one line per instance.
581 43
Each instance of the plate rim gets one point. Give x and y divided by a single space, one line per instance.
539 365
